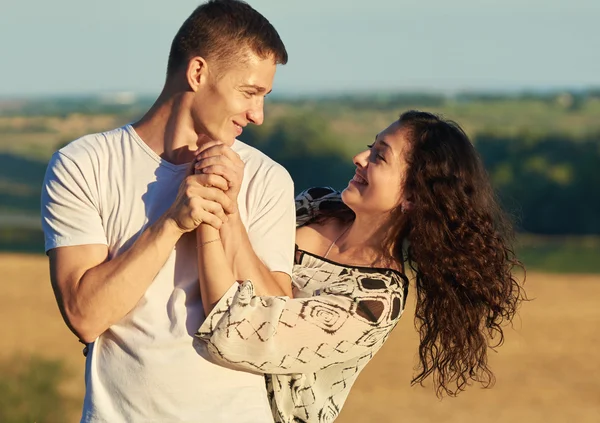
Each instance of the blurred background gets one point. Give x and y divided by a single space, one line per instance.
522 78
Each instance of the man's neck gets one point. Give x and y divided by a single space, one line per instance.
167 128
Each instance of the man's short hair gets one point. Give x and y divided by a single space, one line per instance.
224 30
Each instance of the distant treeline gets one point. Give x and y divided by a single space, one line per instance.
546 180
117 104
549 183
569 99
130 104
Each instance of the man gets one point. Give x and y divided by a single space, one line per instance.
119 210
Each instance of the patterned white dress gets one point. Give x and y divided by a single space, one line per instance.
312 347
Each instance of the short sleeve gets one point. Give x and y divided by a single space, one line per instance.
314 200
271 230
70 208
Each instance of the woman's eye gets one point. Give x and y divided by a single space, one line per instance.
377 156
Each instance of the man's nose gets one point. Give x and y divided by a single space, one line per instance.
256 115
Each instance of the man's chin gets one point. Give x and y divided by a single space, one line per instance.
228 140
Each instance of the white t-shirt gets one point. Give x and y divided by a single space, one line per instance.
106 189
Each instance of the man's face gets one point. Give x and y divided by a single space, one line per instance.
227 101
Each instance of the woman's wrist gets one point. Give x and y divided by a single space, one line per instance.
206 234
233 226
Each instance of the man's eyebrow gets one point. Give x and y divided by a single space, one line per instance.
258 88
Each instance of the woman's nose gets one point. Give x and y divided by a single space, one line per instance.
362 158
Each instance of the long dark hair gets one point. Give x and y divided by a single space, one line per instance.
460 249
458 242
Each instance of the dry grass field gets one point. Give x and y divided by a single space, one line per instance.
547 371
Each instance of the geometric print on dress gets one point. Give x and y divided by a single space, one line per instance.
311 200
307 398
310 348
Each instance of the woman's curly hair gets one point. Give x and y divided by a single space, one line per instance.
457 241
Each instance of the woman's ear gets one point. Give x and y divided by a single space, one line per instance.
406 206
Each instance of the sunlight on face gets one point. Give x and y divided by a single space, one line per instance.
234 97
376 187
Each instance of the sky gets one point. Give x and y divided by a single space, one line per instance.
70 47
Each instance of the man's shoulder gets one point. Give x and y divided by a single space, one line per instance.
92 145
252 154
258 162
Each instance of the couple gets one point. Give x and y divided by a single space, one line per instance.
173 256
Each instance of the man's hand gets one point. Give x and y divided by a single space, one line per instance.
201 199
215 158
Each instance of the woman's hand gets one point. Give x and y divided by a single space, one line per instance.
215 158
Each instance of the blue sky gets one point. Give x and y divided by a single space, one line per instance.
81 46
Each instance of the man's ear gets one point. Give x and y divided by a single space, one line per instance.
196 72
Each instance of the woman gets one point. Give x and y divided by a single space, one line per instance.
420 197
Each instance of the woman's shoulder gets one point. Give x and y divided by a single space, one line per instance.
312 202
314 197
378 276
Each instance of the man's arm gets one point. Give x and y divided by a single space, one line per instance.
92 292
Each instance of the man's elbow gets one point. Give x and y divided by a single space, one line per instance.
87 336
84 327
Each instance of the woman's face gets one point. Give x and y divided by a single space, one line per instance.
376 187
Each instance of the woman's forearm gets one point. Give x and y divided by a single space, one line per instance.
298 335
214 271
245 264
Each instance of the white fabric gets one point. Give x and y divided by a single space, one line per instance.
105 189
311 347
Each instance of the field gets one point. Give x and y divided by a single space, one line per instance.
547 371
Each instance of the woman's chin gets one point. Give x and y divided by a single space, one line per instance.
350 196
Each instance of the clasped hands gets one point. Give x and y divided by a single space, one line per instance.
209 194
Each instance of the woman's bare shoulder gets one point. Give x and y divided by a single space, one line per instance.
317 237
